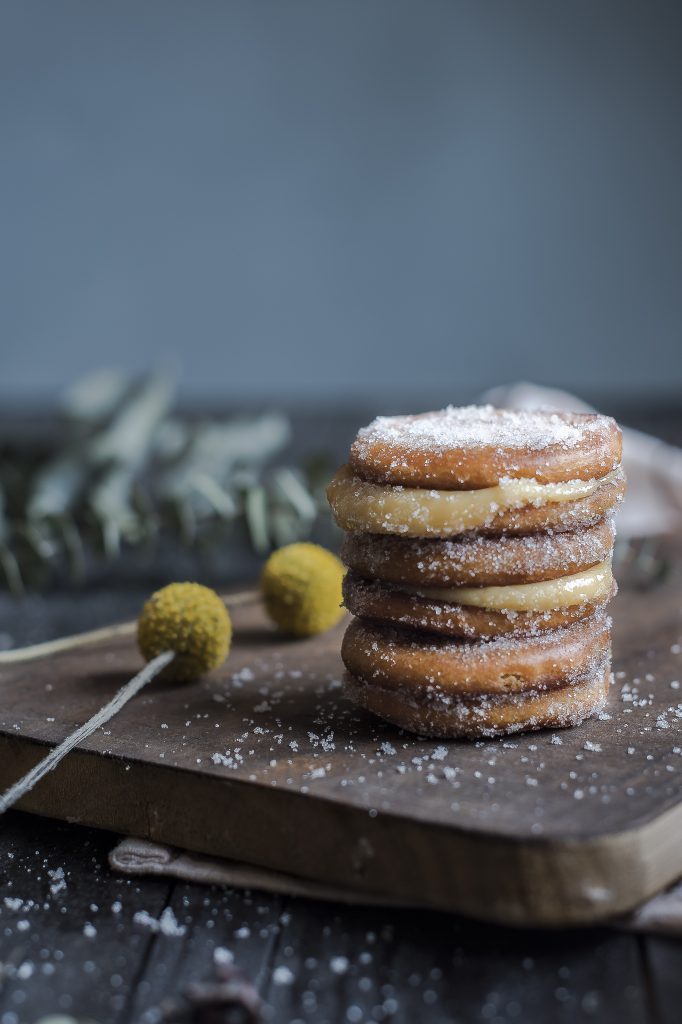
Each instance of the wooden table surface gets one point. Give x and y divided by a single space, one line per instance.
69 943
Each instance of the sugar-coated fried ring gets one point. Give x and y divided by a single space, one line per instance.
485 716
427 665
388 604
476 446
570 515
475 560
514 507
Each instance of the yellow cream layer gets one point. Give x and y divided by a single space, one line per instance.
591 585
417 512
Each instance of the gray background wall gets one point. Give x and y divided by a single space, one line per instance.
324 199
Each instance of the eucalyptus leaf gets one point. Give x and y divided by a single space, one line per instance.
130 472
57 486
128 438
111 501
5 529
256 509
222 502
95 397
73 547
295 492
11 570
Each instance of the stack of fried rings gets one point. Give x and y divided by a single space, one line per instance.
479 544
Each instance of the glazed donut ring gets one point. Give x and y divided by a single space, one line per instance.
476 446
364 507
402 660
477 560
485 716
388 604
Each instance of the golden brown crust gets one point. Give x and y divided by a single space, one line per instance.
473 559
388 604
479 498
361 507
476 446
483 717
429 666
567 515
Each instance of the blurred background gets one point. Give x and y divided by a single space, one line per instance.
391 203
302 214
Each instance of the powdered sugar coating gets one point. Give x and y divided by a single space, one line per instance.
476 558
482 427
482 497
439 715
384 655
388 604
390 640
520 506
468 447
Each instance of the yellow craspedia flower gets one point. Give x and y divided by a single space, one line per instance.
301 585
192 621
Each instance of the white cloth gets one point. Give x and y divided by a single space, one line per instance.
653 503
660 915
141 857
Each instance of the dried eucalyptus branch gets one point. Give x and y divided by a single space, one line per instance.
8 561
122 450
129 473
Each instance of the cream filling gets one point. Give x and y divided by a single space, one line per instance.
417 512
591 585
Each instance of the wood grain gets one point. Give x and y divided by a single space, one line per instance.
398 965
524 831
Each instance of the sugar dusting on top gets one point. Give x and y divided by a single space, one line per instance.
481 426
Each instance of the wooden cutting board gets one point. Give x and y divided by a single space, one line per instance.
265 762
